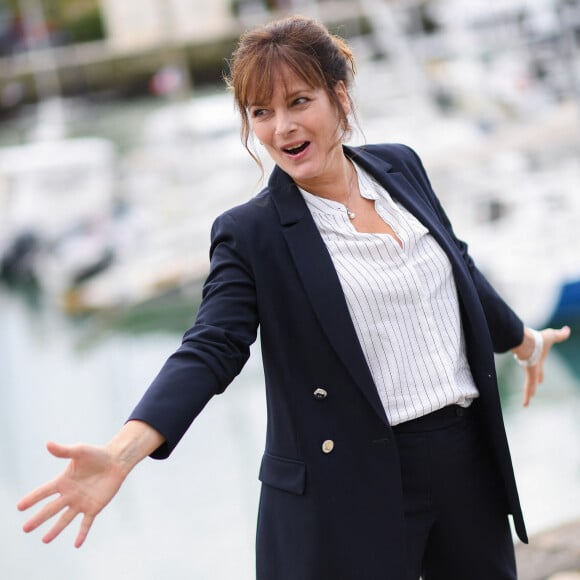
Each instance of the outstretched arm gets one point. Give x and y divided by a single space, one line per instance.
524 353
91 479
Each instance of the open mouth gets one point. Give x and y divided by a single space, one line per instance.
296 149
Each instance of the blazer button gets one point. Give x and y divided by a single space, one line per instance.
328 446
320 393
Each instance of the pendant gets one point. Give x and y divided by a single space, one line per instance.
350 214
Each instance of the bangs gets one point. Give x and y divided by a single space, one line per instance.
278 65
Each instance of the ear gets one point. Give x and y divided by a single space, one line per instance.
342 94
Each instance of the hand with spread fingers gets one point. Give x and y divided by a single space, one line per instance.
89 482
91 479
531 355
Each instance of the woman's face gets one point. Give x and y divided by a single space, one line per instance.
301 130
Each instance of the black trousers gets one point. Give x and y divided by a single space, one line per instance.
456 516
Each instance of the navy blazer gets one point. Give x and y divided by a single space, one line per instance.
322 515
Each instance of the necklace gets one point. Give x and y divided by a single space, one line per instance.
349 212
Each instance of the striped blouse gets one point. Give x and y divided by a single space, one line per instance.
403 303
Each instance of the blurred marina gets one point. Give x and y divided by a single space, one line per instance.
484 99
109 187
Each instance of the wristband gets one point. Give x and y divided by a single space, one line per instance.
536 353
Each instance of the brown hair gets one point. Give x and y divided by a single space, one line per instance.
301 44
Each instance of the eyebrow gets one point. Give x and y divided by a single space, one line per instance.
298 91
288 96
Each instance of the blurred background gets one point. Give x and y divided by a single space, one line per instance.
114 127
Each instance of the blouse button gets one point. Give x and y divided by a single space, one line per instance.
320 393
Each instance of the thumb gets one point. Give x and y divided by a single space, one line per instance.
560 334
61 451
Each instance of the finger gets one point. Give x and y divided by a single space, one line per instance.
556 335
531 392
86 524
60 451
527 396
47 512
530 385
39 494
562 334
527 391
65 519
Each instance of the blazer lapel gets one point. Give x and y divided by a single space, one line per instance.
321 283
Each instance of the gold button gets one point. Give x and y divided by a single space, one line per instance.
328 446
320 393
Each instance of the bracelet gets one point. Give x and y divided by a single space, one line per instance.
536 353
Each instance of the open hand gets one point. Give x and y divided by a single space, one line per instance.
534 375
89 482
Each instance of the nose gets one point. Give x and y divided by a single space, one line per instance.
284 123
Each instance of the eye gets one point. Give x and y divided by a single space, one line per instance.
255 113
300 101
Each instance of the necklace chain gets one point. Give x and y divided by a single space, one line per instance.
351 214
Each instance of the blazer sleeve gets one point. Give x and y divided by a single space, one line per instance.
214 350
505 327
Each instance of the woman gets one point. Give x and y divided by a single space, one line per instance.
386 455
